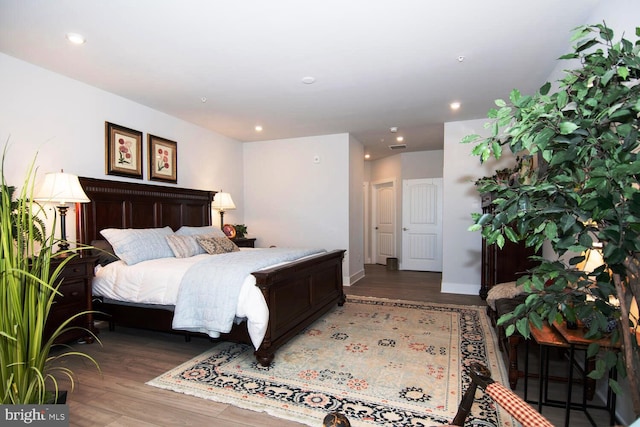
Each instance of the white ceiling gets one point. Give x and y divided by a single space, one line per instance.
376 63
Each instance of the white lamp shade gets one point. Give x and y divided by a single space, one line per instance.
60 188
593 259
223 202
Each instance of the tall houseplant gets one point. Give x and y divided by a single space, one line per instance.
583 140
27 289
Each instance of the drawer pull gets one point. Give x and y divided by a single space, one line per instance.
75 293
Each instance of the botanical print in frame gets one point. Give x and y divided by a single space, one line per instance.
163 159
123 151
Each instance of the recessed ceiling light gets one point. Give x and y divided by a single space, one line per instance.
258 128
393 129
454 105
367 156
400 138
75 38
308 80
460 58
203 99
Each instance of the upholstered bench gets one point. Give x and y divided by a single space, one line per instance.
503 298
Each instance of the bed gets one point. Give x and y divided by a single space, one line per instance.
296 293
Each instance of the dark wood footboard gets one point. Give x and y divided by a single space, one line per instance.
297 295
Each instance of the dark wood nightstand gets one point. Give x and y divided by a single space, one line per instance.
245 242
75 287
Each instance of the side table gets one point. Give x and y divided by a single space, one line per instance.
576 340
75 297
245 242
559 336
547 338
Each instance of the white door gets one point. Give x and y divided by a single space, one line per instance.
384 235
422 224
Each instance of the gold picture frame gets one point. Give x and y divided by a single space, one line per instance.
123 151
163 159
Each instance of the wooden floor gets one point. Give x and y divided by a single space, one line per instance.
129 358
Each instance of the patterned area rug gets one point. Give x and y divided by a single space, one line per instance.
380 362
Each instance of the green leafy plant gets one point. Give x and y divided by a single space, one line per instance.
28 367
583 189
241 230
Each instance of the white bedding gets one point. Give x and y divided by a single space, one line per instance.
157 282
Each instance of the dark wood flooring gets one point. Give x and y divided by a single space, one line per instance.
128 358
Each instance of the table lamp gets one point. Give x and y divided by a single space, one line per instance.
60 188
222 202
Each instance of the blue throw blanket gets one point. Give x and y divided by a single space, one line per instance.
208 294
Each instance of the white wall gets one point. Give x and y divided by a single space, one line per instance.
292 201
63 120
356 210
461 265
422 164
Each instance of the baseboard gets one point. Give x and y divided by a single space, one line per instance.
459 288
355 277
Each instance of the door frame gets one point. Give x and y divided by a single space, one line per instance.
366 189
374 219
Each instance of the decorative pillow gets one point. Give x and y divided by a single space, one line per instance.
104 251
506 290
184 246
217 245
193 231
133 245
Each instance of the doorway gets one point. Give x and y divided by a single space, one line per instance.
422 224
383 235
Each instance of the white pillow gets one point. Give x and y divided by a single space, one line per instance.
184 246
133 245
192 231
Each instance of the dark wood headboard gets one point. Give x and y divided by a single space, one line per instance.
117 204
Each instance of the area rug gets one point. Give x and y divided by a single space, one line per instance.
379 362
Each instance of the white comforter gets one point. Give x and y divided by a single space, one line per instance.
157 282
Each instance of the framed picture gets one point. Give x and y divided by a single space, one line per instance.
123 151
229 230
163 159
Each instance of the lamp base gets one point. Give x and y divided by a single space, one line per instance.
221 219
63 245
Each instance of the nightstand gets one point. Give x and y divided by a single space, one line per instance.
245 242
75 287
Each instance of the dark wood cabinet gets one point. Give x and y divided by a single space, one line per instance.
75 288
502 265
245 242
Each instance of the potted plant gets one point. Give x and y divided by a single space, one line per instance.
583 189
27 290
241 230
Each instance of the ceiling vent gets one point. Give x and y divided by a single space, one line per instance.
398 147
